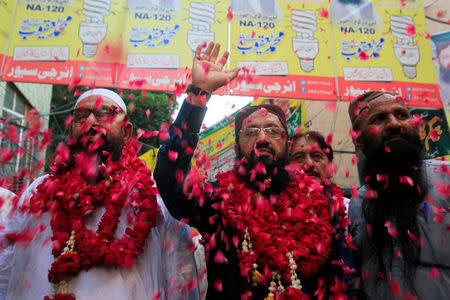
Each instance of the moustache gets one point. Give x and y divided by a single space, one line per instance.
263 146
395 134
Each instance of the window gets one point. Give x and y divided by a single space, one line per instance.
12 118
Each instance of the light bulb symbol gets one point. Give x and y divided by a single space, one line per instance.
93 30
201 16
304 22
405 50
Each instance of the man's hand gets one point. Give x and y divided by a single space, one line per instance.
207 72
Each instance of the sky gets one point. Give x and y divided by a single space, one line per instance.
218 107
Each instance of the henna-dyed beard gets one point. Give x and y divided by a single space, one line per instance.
275 169
395 200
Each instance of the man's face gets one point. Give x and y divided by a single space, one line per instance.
384 121
106 121
310 157
265 145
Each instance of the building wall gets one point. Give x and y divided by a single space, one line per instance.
16 99
38 95
440 11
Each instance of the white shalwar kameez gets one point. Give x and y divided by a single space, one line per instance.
166 269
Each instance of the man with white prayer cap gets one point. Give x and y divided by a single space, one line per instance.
94 226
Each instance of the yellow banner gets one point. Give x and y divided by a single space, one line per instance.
287 39
6 17
160 38
59 41
383 44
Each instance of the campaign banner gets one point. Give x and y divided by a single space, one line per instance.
6 15
305 49
383 45
285 47
65 41
434 132
160 37
441 43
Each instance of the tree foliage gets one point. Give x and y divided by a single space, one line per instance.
158 105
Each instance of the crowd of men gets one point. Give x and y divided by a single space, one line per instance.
273 227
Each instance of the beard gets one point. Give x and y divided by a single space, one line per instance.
396 179
88 151
262 172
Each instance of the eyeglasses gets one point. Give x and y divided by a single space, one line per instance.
103 114
272 132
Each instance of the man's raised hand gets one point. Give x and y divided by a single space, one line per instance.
207 72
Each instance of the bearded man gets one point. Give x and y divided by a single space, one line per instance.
268 233
93 228
399 221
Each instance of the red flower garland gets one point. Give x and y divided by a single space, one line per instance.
70 199
296 221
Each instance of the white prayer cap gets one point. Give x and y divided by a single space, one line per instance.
104 93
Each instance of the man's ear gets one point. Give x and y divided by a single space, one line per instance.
127 132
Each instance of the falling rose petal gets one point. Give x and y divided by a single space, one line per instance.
354 192
387 149
434 135
438 218
416 121
398 253
76 93
98 102
218 285
434 273
440 14
329 139
220 258
263 112
223 60
411 29
157 296
395 286
323 13
147 113
330 106
403 5
173 155
406 180
363 55
205 67
69 121
354 134
229 14
74 83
